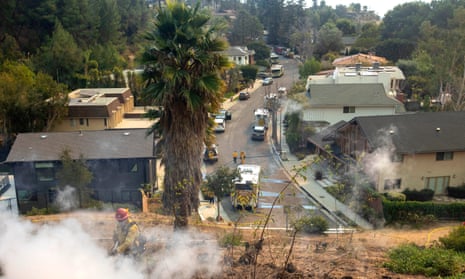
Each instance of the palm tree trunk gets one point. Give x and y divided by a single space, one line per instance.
182 160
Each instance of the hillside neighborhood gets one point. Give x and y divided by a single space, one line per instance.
233 139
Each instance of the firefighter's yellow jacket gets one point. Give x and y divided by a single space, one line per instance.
126 235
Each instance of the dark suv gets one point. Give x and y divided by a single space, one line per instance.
244 95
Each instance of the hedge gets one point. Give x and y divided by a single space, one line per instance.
395 211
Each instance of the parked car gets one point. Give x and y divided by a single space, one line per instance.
244 95
222 114
220 125
263 74
268 81
226 113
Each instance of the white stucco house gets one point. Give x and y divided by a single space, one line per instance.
331 103
240 55
389 76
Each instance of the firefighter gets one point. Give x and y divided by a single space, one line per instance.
127 237
242 157
235 156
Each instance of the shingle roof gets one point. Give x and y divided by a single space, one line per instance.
327 135
338 95
416 132
107 144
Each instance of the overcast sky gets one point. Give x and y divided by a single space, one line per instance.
381 7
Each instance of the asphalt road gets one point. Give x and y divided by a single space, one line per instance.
291 203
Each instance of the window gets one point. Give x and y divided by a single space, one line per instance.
83 121
391 184
27 195
244 186
444 156
438 184
348 110
44 172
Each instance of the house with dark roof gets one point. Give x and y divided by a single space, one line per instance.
332 103
121 162
406 151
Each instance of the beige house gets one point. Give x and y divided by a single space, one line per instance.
100 109
414 151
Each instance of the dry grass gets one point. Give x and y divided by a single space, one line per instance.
357 255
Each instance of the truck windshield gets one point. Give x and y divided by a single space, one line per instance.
243 186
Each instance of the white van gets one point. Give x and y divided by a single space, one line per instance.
220 125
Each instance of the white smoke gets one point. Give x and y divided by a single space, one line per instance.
66 199
293 106
67 250
380 160
62 250
184 255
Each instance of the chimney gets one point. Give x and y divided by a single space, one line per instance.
376 65
358 66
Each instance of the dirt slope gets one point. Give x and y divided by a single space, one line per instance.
355 255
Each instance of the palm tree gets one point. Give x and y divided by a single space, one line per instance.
183 65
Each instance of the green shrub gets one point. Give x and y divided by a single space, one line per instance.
416 220
455 240
456 192
411 259
314 224
396 211
422 195
38 211
396 196
230 239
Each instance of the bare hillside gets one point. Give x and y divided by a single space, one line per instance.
195 253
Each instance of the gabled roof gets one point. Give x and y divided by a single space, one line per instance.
364 59
359 95
327 135
422 132
107 144
238 51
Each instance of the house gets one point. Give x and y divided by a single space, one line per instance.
121 162
101 108
240 55
391 77
359 58
414 151
332 103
